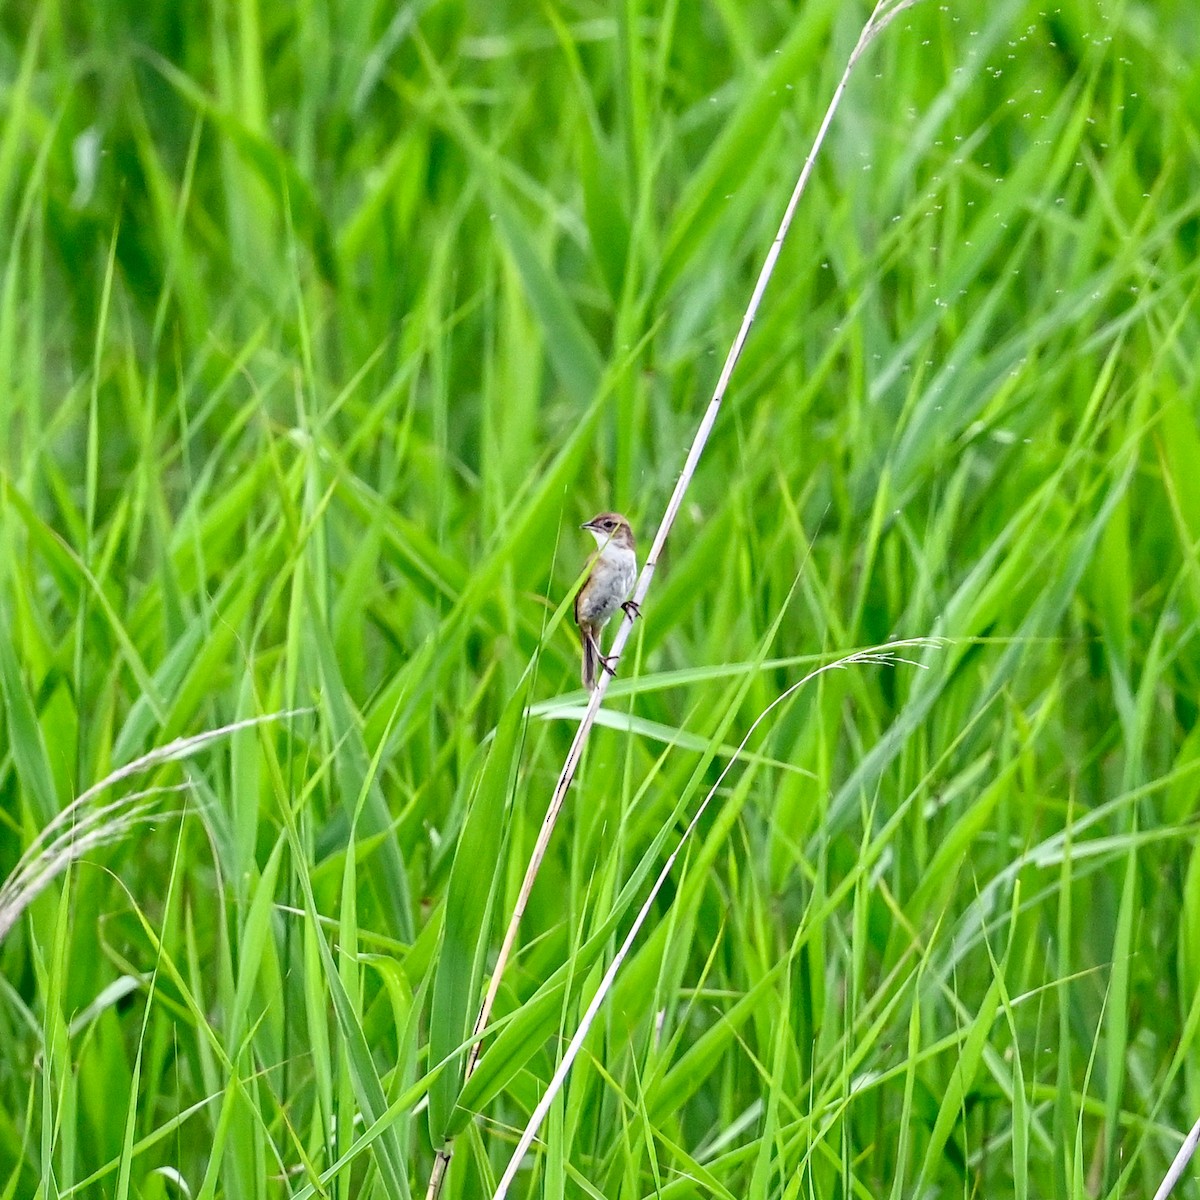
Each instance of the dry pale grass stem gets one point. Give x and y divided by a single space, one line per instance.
883 13
1179 1164
878 656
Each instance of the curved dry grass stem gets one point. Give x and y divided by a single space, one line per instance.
82 826
882 14
878 656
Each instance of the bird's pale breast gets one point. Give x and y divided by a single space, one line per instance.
609 584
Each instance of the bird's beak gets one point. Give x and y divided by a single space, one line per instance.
587 525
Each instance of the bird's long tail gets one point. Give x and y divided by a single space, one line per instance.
589 658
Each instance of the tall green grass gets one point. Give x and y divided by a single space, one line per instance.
321 329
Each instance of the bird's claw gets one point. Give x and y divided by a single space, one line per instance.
632 609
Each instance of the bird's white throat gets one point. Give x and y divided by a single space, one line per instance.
608 547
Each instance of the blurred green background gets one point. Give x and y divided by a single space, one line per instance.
322 327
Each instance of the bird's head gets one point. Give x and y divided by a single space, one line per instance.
610 529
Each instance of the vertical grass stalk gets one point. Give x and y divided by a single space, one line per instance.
882 14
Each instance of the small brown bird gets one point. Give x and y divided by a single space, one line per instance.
607 588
